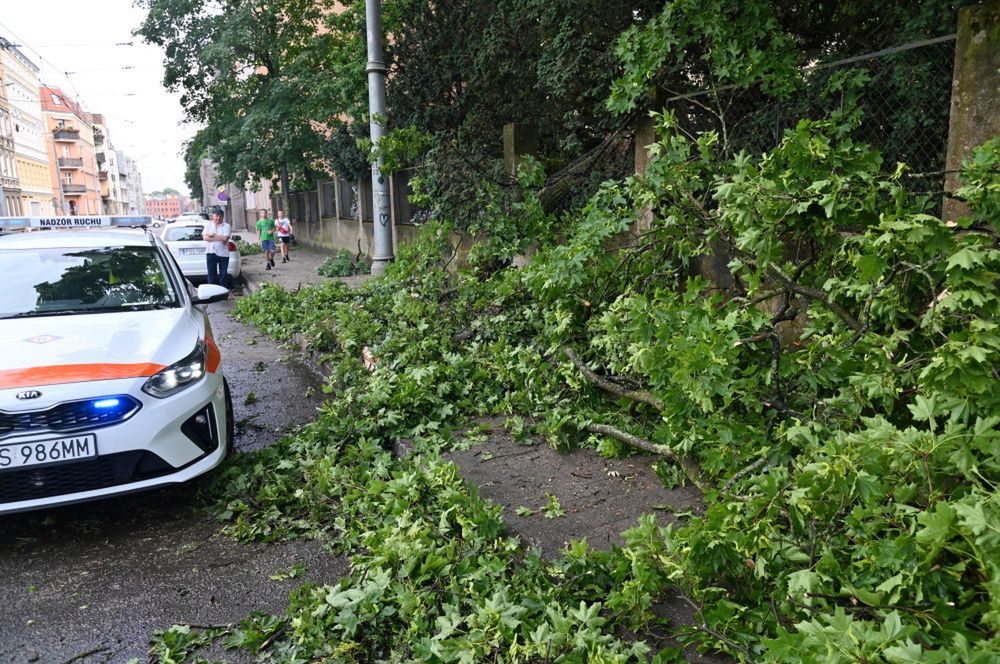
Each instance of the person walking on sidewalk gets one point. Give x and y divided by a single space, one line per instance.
265 229
283 226
216 234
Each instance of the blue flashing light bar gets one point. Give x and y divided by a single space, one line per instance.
104 404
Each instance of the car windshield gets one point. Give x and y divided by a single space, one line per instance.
62 281
182 233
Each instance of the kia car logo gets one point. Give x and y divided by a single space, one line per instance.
28 394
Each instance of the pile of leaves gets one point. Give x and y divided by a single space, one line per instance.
433 577
343 264
830 382
248 248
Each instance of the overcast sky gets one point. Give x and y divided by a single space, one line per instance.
122 82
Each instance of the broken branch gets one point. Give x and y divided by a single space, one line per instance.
814 294
690 468
605 384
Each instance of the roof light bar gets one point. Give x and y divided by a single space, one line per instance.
11 223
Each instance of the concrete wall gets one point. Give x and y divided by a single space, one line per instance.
334 233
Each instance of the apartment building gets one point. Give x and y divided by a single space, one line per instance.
131 182
72 154
116 185
10 184
19 80
114 196
167 206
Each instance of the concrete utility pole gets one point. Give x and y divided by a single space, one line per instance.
376 110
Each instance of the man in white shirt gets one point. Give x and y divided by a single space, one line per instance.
283 231
216 234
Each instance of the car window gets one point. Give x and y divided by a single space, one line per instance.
182 233
61 281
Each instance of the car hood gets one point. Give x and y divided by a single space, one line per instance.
51 349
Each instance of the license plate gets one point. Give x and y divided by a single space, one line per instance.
193 251
37 452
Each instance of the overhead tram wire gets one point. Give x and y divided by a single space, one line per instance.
107 69
42 58
64 45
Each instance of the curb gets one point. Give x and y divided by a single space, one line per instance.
249 285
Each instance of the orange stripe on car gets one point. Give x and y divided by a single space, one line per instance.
74 373
213 356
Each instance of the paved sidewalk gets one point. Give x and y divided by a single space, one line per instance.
299 271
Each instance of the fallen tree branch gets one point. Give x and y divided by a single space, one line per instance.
605 384
711 632
743 473
814 294
690 468
278 633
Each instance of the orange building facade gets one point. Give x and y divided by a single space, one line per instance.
71 154
167 207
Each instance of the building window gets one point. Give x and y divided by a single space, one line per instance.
57 100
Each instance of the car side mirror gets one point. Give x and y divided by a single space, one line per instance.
208 293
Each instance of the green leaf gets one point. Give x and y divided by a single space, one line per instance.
936 526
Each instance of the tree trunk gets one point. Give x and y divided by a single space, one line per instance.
284 190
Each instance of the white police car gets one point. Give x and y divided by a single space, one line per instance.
110 379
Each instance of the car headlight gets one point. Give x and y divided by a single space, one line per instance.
178 375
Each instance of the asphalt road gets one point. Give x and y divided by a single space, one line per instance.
91 583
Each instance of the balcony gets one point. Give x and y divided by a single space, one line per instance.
74 188
102 175
100 157
70 162
66 134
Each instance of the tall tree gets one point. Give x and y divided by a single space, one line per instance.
462 69
262 77
194 152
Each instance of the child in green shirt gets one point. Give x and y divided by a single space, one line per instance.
265 229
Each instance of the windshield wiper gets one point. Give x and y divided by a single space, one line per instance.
90 310
54 312
147 306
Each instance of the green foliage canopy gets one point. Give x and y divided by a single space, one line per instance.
263 80
460 71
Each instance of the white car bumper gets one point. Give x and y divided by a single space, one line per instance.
163 442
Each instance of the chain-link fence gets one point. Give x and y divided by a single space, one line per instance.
612 159
903 95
